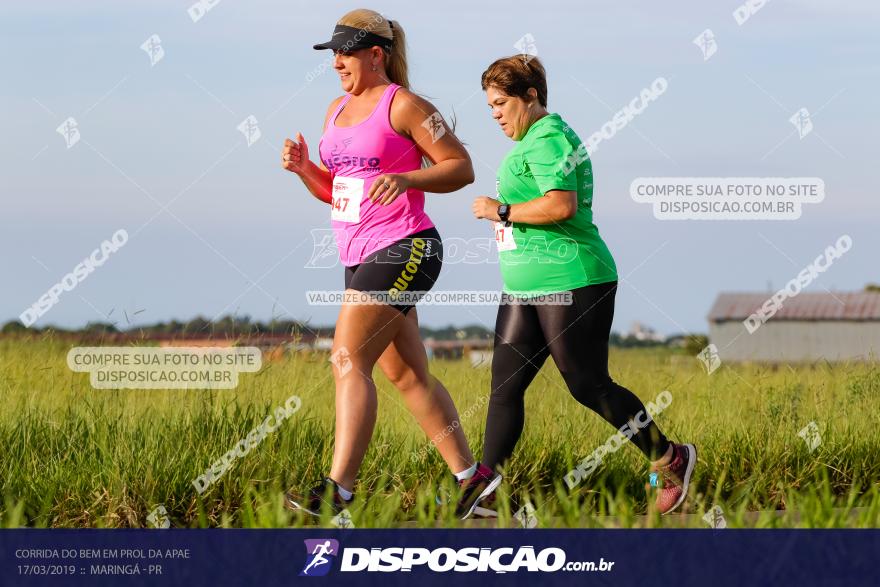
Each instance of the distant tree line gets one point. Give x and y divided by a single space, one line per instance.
237 326
198 327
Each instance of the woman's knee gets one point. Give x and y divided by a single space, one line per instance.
406 378
507 388
588 388
409 380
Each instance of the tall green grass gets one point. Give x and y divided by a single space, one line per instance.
73 456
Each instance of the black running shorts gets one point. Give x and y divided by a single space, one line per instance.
400 274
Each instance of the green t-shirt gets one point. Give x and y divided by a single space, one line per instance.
552 258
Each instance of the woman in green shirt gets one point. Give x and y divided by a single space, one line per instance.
559 282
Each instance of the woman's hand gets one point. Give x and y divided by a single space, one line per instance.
295 155
485 207
387 187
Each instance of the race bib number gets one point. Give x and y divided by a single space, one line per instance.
504 237
346 199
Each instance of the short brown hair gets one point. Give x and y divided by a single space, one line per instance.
515 75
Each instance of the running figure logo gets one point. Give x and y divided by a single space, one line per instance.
336 151
153 48
325 251
319 551
802 122
434 124
69 129
707 44
710 358
250 128
526 47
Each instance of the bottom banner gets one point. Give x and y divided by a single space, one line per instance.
434 557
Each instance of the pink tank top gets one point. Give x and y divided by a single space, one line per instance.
355 156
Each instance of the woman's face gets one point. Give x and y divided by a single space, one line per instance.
511 113
354 67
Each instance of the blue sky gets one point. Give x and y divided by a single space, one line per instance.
167 133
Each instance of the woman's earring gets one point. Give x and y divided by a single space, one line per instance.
374 68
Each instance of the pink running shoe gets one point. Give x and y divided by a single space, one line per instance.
476 489
672 480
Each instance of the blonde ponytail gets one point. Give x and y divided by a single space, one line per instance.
397 68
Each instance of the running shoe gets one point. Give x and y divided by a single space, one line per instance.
312 501
485 510
515 502
475 490
672 480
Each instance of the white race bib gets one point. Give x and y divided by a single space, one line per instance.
345 205
504 237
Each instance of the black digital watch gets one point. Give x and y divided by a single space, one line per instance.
504 212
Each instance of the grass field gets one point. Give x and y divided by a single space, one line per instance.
74 456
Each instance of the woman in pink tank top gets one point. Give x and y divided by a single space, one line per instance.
375 137
357 156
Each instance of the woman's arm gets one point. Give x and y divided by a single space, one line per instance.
317 180
295 158
418 119
553 207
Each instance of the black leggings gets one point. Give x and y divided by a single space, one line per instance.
576 336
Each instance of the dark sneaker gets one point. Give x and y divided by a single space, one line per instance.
317 496
489 508
672 480
486 509
475 490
